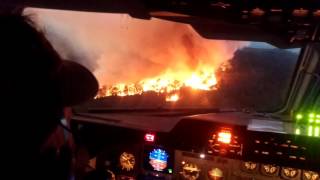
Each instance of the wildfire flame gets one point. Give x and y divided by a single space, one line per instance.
172 98
134 55
169 83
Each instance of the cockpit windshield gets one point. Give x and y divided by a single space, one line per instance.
157 63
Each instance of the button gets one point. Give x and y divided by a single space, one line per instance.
302 158
284 145
293 157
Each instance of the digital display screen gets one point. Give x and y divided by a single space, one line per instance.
158 159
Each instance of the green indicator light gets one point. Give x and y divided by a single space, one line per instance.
298 131
311 120
310 129
311 115
299 116
317 131
170 171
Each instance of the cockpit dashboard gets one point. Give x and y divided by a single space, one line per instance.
230 145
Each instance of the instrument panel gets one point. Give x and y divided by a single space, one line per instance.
294 22
160 164
200 148
192 166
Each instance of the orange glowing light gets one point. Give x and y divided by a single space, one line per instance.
172 98
224 136
203 78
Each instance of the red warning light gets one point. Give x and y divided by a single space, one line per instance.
149 137
224 136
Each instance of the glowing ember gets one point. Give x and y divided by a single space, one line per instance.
168 83
172 98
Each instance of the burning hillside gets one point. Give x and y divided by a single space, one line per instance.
168 83
132 56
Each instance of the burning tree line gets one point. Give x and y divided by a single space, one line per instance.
168 84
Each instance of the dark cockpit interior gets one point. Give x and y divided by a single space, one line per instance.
191 89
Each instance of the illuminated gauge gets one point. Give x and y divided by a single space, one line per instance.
250 166
215 174
158 159
190 171
269 169
127 161
310 175
289 172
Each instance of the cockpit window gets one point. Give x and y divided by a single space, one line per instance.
157 63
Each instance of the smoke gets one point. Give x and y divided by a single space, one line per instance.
118 48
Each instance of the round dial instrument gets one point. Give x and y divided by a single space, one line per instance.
127 161
190 171
310 175
289 172
215 174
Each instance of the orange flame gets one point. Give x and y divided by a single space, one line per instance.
172 98
166 55
169 82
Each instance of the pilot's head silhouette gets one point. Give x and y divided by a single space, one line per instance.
36 85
